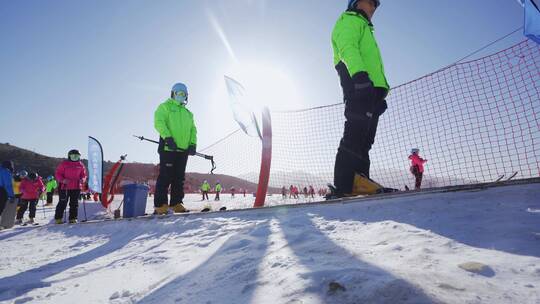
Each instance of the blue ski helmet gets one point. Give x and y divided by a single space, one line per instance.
352 3
179 92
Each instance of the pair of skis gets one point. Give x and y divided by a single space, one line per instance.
29 223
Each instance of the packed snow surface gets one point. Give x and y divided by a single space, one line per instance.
462 247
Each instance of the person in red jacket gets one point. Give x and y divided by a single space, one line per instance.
71 175
31 189
417 167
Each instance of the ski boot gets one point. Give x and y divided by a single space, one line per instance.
179 208
164 209
31 221
58 221
364 185
333 193
73 221
18 222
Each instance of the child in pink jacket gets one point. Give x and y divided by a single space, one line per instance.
71 175
417 167
31 189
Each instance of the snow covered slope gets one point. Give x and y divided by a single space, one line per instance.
415 249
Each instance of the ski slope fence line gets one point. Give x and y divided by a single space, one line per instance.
473 121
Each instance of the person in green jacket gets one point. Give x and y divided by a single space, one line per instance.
218 189
178 139
359 65
205 188
50 187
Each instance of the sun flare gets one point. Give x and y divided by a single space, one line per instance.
269 86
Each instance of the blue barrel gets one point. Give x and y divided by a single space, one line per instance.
135 200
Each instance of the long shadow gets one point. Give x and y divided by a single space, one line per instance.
15 232
23 282
228 276
495 219
328 263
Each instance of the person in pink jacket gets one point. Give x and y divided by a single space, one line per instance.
70 174
417 167
31 189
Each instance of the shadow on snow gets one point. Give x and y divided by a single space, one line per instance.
329 263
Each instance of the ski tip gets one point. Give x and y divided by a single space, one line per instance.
387 190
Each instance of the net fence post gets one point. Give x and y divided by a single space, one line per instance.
266 159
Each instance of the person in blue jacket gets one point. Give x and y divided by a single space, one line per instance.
6 184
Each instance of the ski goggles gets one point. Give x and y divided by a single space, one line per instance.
180 94
74 157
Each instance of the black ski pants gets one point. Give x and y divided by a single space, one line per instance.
50 198
24 205
172 172
417 176
71 196
217 196
3 199
205 195
362 118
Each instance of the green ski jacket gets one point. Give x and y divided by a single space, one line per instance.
205 187
51 185
172 119
354 44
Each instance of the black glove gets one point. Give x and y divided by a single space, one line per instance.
381 107
362 86
360 105
169 141
192 150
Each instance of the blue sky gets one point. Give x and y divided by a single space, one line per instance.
73 68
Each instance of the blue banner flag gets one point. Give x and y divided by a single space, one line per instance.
95 165
532 20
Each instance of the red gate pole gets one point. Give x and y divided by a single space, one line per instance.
266 158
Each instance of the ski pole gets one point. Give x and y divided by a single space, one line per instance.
66 200
84 208
43 207
205 156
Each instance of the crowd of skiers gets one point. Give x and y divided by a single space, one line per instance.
295 192
23 190
206 188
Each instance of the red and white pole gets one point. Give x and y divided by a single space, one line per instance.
266 158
